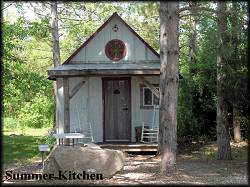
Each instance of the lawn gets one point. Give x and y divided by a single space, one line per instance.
20 146
208 151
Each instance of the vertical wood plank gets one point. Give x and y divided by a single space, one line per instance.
117 110
66 107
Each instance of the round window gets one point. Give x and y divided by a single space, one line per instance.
115 50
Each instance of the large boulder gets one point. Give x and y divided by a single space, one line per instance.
79 159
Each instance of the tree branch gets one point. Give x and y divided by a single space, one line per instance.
196 9
198 14
7 6
36 11
200 9
73 19
38 49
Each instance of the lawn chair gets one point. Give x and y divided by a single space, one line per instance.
150 131
84 128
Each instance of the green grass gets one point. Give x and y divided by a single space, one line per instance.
20 146
20 149
209 152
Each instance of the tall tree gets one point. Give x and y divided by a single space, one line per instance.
193 33
55 34
55 51
222 128
169 80
235 64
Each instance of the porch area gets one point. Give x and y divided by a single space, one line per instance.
130 147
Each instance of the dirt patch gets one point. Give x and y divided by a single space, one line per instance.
145 170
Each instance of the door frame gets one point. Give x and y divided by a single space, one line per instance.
103 106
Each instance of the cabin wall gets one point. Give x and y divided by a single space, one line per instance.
86 105
94 51
95 107
140 115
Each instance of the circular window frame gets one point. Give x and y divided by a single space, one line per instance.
109 55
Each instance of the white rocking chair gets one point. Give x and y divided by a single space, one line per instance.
150 132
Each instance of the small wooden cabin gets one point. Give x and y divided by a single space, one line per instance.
111 81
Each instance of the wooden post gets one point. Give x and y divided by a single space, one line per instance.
66 108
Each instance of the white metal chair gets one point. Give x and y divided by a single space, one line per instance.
86 131
84 128
150 131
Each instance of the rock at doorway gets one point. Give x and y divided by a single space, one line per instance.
84 159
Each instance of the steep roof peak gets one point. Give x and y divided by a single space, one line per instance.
115 14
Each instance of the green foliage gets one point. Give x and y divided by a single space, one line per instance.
26 89
28 95
40 29
187 123
10 123
50 140
144 19
197 89
37 113
12 34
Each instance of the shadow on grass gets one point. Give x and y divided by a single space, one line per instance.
208 151
20 149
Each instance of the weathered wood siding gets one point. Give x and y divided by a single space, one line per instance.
88 101
94 51
85 106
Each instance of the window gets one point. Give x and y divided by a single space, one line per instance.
148 99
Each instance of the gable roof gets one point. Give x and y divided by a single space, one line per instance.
100 28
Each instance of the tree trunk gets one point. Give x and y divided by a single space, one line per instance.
169 80
192 56
235 65
236 124
55 34
223 138
193 34
235 34
56 53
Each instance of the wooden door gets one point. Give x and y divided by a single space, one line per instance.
117 109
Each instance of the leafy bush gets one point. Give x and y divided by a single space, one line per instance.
10 123
186 119
49 138
37 113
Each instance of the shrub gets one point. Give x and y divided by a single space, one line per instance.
37 113
10 123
